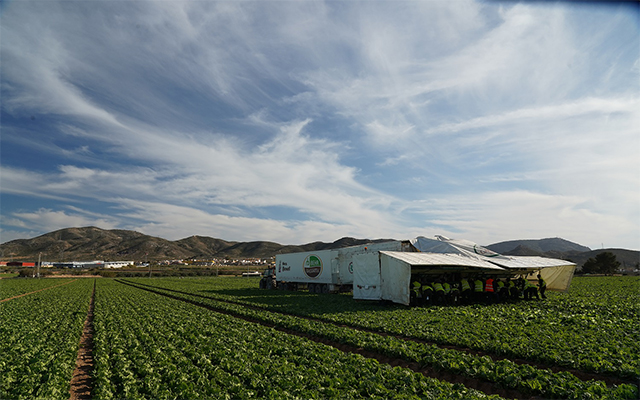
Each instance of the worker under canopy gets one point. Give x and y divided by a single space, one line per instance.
386 275
556 273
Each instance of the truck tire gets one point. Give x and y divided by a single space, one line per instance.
261 285
325 289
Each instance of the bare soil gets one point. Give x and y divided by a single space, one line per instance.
82 380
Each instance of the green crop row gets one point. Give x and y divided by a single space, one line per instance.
17 286
149 346
524 378
594 327
39 339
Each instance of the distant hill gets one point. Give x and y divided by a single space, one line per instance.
91 243
539 246
564 250
629 259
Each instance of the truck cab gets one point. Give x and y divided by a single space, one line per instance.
268 280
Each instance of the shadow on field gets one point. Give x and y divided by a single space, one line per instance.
304 302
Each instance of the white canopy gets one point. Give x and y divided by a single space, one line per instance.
440 259
557 273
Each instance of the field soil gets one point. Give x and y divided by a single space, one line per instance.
82 382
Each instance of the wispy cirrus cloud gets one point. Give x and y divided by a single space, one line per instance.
581 107
318 118
496 215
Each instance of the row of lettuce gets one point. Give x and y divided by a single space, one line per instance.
526 379
593 328
39 337
15 287
165 348
151 347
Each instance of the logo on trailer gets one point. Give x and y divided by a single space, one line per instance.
484 252
312 266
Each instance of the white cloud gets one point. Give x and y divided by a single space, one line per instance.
528 115
216 112
40 72
292 170
7 235
46 220
523 58
176 222
494 216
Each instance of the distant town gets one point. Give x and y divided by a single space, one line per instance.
114 269
143 264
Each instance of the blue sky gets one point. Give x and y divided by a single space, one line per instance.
301 121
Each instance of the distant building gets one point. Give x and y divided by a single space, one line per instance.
17 264
92 264
117 264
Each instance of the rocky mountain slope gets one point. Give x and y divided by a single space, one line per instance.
91 243
540 246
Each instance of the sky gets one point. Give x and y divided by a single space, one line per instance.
302 121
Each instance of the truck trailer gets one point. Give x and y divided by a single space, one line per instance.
322 271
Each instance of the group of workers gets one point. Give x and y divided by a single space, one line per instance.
442 290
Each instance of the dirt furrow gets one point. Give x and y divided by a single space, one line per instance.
82 379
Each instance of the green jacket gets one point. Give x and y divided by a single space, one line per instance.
417 289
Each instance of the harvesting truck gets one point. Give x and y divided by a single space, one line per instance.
384 270
323 271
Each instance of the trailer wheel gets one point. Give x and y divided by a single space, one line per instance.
311 287
325 289
319 288
261 285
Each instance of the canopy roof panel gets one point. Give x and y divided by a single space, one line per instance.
440 259
471 250
521 262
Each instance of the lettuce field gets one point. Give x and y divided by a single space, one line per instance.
190 338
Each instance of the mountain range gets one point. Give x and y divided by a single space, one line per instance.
91 243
